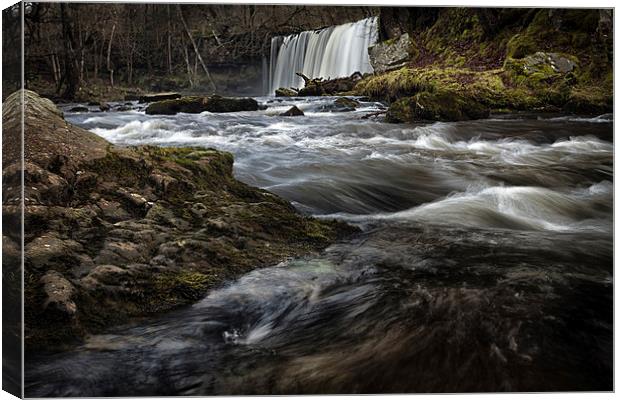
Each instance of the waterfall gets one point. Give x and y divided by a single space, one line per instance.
333 52
265 75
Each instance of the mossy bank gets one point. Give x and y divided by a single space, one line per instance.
465 62
113 233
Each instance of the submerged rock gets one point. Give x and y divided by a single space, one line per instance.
341 104
292 112
197 104
113 233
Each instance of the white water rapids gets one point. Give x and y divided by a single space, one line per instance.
332 52
485 262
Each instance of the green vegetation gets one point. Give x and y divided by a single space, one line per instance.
500 59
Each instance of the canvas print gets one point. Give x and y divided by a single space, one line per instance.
255 199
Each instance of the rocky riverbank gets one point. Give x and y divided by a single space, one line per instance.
113 233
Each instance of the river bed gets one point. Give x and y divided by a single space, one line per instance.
484 262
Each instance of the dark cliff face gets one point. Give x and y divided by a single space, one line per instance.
112 233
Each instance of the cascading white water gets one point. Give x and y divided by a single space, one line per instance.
332 52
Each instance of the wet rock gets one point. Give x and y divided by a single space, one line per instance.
292 112
59 293
44 186
50 251
347 102
341 104
112 210
104 106
119 252
391 54
285 92
105 275
441 106
150 97
196 105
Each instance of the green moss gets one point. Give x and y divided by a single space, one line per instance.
589 100
184 285
437 106
520 45
121 168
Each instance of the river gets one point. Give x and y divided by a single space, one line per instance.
485 262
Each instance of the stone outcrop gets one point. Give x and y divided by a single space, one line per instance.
292 112
150 97
543 63
113 233
197 104
428 106
390 54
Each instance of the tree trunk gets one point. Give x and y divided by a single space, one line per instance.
189 68
108 63
191 39
70 77
169 42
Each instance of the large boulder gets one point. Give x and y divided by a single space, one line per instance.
114 232
436 106
197 104
391 54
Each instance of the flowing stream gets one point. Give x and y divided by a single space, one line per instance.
484 262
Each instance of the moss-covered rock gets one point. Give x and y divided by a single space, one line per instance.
196 104
113 233
589 100
151 97
436 106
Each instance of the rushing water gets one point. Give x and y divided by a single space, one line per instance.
485 262
332 52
